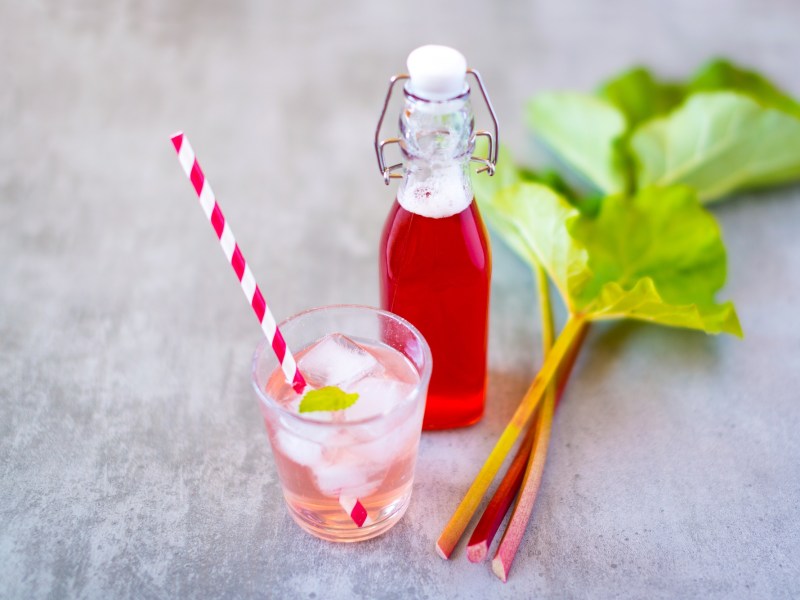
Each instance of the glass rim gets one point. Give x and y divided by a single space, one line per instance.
424 374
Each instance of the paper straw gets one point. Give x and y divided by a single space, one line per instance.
231 249
356 510
255 298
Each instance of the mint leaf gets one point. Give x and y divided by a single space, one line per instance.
640 96
584 132
721 74
656 257
718 143
327 398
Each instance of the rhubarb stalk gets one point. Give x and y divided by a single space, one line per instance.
501 563
495 511
466 509
509 544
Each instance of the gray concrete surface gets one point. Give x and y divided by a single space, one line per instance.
133 462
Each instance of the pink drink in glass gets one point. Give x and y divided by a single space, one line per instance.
365 452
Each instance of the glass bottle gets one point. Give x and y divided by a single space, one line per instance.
434 257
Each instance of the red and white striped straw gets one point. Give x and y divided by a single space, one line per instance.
356 510
231 249
255 298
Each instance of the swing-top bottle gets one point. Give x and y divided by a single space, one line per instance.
434 257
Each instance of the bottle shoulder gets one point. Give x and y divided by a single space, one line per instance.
468 214
458 241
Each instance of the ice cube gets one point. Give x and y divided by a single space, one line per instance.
393 445
336 360
303 452
385 440
348 476
376 395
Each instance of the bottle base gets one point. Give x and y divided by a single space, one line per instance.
437 426
453 412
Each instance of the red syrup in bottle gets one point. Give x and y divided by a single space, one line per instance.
435 272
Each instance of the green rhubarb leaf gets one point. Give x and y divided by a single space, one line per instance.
486 188
718 143
640 96
721 74
656 257
584 132
538 216
507 175
327 398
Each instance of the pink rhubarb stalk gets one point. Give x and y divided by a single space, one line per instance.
495 511
509 544
466 509
501 563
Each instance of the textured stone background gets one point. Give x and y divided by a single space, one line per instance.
133 462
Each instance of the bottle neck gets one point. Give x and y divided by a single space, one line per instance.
437 142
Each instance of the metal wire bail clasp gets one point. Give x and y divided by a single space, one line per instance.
489 162
387 172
